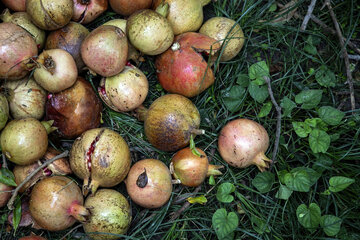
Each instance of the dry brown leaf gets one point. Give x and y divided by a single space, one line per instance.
286 12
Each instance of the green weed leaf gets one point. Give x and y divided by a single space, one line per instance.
263 181
258 93
301 129
319 141
284 192
258 71
224 223
339 183
259 225
17 213
316 123
265 110
309 98
224 192
325 77
301 179
243 80
309 218
311 49
322 163
330 224
287 105
233 98
212 180
331 115
7 177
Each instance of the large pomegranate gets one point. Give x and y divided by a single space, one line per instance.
101 157
182 69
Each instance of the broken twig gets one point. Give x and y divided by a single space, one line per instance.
186 205
308 15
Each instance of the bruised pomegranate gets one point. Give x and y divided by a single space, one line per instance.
85 11
243 142
104 50
5 193
191 169
110 214
125 91
75 109
69 38
149 183
15 5
126 7
57 70
17 48
170 122
182 68
56 203
101 157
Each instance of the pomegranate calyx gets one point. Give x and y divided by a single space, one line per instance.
140 113
163 9
198 131
90 186
49 126
79 212
262 162
213 170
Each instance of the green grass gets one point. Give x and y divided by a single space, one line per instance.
282 47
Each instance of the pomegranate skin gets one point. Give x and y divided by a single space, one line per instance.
15 5
32 238
85 11
126 7
75 109
184 70
158 187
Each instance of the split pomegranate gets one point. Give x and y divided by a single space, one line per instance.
110 214
101 157
56 203
182 69
85 11
243 142
149 183
126 7
190 169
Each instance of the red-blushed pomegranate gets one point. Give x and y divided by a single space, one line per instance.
56 203
104 50
69 38
85 11
49 14
57 70
32 238
15 5
75 109
190 169
5 193
243 142
110 214
125 91
170 121
24 141
149 183
101 157
126 7
182 69
17 48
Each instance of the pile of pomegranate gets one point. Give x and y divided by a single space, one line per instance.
47 53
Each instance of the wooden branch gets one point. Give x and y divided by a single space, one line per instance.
308 14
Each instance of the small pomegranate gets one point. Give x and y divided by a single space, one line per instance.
69 38
17 48
4 111
15 5
24 141
227 32
85 11
182 69
149 32
26 98
190 169
126 8
170 122
49 14
104 50
101 157
110 213
5 193
75 109
149 183
125 91
243 142
56 203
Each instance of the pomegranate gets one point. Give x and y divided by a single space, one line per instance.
149 32
170 121
24 141
15 5
26 219
57 70
85 11
149 183
22 19
33 237
126 8
110 213
22 171
227 32
69 38
4 111
104 50
56 203
182 69
101 157
190 169
26 98
243 142
5 193
125 91
17 48
49 14
75 109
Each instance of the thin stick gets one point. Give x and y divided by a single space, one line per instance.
308 14
4 164
345 54
354 57
278 122
10 204
185 206
73 229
